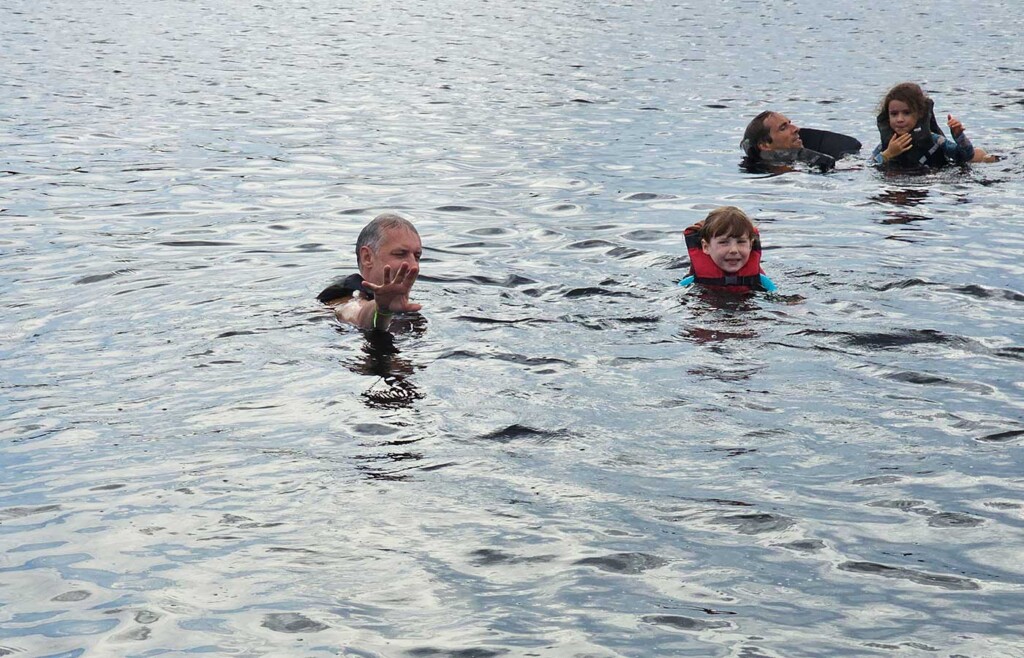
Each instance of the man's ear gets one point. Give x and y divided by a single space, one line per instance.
365 257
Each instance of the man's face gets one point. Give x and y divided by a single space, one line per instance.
400 245
729 253
783 133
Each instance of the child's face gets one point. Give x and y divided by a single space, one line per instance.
901 119
729 252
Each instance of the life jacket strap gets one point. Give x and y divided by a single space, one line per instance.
935 147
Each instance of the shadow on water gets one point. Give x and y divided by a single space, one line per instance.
380 358
902 198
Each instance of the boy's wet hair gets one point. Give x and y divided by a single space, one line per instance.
909 93
729 221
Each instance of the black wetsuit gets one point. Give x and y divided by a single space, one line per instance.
344 288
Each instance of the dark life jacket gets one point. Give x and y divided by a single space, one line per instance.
924 152
704 270
344 288
834 145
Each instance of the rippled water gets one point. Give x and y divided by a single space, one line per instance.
566 455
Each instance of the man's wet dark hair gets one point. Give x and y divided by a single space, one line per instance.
372 235
755 134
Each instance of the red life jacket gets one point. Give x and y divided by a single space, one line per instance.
704 270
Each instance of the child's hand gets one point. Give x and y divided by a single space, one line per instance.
898 145
955 126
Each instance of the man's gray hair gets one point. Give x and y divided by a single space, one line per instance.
373 233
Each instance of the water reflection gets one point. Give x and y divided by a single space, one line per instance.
726 315
380 358
903 198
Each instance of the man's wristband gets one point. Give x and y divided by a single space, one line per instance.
383 315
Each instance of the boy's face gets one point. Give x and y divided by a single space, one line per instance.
729 252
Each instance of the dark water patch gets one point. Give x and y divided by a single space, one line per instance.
1001 437
74 595
954 520
134 635
877 479
577 293
436 467
1015 353
530 360
517 432
21 512
590 244
455 208
928 379
288 549
624 563
754 524
96 278
889 340
146 617
625 253
476 652
241 332
644 235
490 230
292 622
905 283
649 196
486 557
107 487
509 281
756 652
897 504
733 451
198 243
724 502
919 577
804 545
716 106
982 292
481 320
470 246
681 623
374 429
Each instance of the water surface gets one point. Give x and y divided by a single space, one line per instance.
566 455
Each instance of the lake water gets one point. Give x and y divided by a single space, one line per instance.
566 455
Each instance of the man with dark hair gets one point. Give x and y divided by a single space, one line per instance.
388 252
771 138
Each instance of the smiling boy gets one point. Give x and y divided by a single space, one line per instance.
725 252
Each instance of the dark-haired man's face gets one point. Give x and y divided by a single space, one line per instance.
784 134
